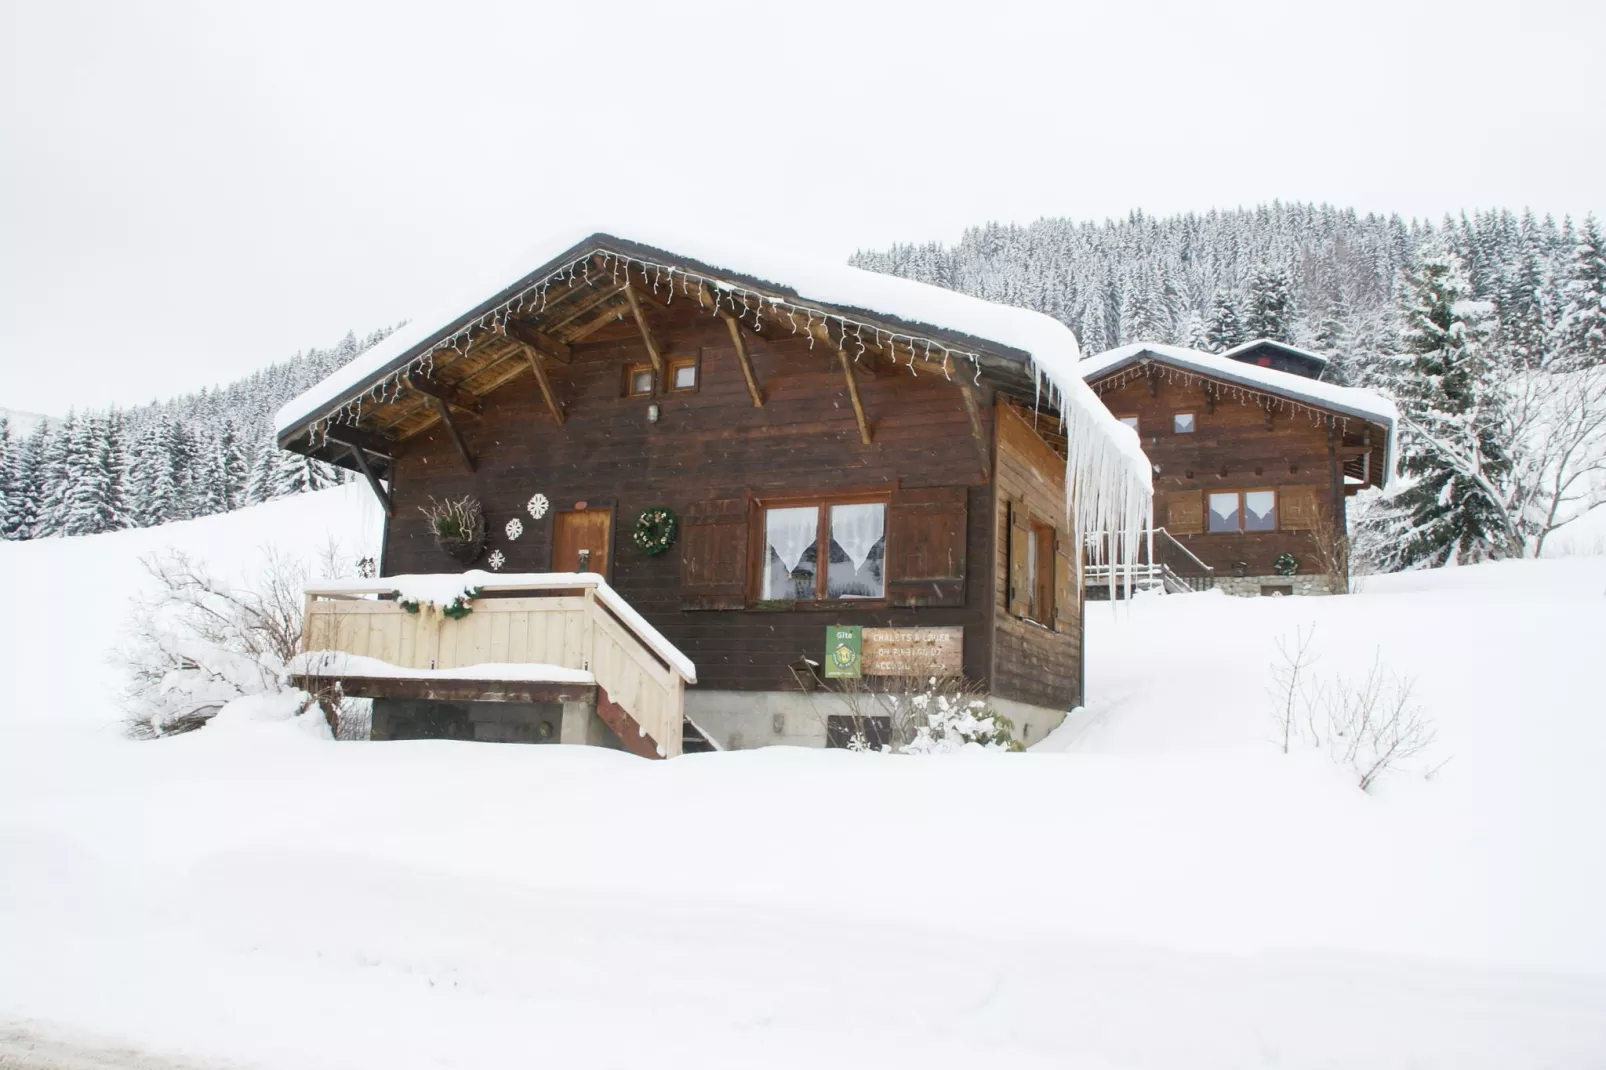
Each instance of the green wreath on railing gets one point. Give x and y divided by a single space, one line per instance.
655 531
1285 565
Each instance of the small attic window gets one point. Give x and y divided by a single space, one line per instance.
683 374
638 381
1182 423
1130 421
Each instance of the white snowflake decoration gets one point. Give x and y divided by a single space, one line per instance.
515 528
496 560
538 506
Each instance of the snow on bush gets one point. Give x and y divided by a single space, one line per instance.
199 643
953 723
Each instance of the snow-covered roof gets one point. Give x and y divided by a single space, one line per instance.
1108 476
1344 400
1284 346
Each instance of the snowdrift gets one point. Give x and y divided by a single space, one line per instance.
1154 886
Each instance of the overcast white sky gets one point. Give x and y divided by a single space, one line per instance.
191 190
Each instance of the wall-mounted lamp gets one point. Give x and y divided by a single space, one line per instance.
652 413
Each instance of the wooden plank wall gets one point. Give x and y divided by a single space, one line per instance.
1231 449
708 444
1031 663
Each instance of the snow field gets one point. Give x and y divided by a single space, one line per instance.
1153 887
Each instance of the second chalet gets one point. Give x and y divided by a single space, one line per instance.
1255 458
697 489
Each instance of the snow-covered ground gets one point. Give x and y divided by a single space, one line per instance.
1156 887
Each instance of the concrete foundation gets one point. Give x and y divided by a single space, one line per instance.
742 720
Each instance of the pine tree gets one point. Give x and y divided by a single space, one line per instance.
1271 305
264 474
1579 338
8 475
22 505
1442 380
1144 317
231 468
59 467
94 499
1194 333
1225 331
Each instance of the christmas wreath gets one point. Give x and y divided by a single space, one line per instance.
655 531
1285 565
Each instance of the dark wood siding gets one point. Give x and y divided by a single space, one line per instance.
1230 449
1038 663
709 445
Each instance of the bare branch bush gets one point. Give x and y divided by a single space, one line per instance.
1557 423
198 642
1371 727
922 713
1330 546
1290 682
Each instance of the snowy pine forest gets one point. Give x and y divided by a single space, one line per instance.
1488 331
191 456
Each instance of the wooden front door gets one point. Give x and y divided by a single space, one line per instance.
578 530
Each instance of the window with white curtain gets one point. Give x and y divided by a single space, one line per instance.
853 535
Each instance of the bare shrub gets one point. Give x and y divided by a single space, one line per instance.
923 714
1371 727
1330 546
1290 682
198 642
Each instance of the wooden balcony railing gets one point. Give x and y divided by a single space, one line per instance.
571 620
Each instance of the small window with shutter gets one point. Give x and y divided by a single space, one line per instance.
1298 507
713 555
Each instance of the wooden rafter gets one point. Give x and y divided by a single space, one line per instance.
977 432
380 445
367 471
742 358
561 317
445 412
551 396
436 390
853 394
539 341
646 331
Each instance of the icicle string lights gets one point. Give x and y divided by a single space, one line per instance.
1244 395
727 298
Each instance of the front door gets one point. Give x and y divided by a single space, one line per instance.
582 531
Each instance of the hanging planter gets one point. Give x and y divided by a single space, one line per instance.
458 527
654 532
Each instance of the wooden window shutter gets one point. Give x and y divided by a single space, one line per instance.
926 538
713 555
1018 597
1065 586
1184 512
1297 508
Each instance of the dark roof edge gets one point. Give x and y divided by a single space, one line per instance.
604 242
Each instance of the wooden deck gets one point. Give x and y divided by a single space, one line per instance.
571 621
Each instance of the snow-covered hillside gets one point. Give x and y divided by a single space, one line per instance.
1154 886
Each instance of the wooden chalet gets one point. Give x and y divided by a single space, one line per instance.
841 451
1251 463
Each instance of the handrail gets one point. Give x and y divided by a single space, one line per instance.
434 584
1172 539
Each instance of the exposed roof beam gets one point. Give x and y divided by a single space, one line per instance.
539 341
373 480
977 432
564 316
646 331
742 358
534 357
444 392
445 412
377 444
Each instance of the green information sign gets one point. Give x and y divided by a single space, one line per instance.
842 646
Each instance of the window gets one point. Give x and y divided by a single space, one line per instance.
1130 421
1243 510
854 534
1040 574
638 381
1182 423
683 373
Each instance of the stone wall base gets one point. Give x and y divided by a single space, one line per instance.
1256 586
